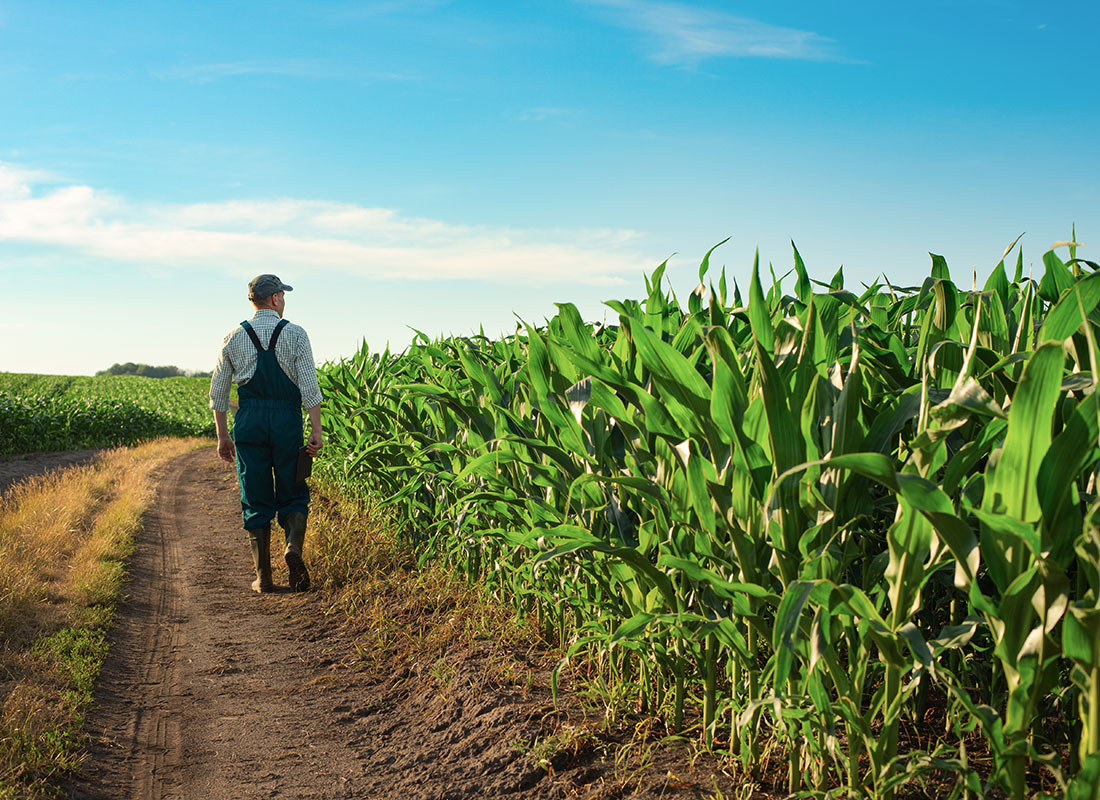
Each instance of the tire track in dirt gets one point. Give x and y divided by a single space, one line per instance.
14 469
156 714
141 684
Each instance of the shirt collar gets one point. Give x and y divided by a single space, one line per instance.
263 313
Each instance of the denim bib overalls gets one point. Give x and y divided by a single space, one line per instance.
267 432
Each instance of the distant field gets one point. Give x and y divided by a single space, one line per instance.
59 412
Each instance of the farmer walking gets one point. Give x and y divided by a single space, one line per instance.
271 362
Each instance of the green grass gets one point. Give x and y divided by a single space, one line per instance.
68 662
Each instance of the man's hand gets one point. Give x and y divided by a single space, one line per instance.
313 446
226 451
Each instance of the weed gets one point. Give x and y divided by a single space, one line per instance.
568 740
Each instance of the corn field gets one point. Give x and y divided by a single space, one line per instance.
61 412
859 526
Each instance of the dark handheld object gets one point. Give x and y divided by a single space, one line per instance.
305 465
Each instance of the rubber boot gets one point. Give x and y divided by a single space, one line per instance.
295 526
259 539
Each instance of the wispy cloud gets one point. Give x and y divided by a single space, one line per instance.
290 234
684 34
304 68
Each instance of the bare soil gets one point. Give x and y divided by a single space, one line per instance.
212 691
14 469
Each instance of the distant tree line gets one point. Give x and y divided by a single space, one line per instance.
130 368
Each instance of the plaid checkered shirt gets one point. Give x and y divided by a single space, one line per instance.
237 359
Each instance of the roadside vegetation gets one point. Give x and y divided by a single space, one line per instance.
63 539
424 630
410 614
43 413
852 532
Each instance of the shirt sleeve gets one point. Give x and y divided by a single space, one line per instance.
222 379
307 373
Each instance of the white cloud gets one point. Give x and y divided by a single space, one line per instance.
266 235
684 34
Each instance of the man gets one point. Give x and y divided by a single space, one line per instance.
271 362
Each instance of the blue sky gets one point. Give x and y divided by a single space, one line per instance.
449 165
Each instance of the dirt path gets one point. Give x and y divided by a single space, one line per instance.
204 692
211 691
14 469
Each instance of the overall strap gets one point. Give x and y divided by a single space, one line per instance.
256 339
275 335
252 335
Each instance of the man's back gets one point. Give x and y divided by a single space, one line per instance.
237 359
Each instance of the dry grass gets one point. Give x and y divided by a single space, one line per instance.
408 615
427 629
63 538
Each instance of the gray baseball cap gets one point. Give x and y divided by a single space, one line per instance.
266 285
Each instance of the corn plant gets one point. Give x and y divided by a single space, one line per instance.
799 519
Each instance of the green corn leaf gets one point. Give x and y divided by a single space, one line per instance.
788 630
1081 636
1065 318
994 330
759 315
723 587
961 465
700 497
910 539
1057 278
1059 469
680 377
837 282
704 265
577 334
923 496
848 599
946 306
997 282
1013 489
605 398
574 539
939 267
847 430
889 422
920 649
727 402
785 438
803 288
657 418
1012 532
954 637
631 627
